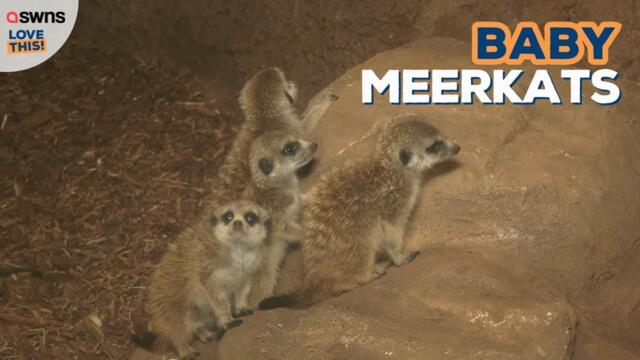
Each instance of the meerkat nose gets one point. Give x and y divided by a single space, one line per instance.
237 225
455 149
313 146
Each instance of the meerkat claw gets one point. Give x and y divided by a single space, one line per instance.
412 256
230 325
233 323
242 313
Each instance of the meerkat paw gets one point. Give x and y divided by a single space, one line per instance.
205 335
226 327
230 325
410 257
380 270
363 280
242 312
233 323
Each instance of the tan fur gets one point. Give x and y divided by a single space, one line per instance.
205 275
268 99
266 107
359 211
268 103
278 193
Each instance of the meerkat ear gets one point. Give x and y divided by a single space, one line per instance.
265 166
213 220
405 156
268 224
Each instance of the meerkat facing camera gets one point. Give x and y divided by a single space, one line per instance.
359 212
275 158
204 278
267 100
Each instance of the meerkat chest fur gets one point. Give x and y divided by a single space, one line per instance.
396 192
293 210
283 202
239 265
412 194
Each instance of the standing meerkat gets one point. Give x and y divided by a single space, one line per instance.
359 212
268 99
268 103
204 278
275 158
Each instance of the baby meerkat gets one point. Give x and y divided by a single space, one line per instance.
359 212
267 101
266 171
268 98
204 278
275 158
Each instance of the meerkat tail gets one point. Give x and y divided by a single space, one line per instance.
145 339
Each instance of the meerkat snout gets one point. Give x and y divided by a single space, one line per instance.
440 150
423 146
239 224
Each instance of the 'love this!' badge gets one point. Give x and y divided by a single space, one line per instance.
31 31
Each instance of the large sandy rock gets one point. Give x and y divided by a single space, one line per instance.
540 212
535 230
447 304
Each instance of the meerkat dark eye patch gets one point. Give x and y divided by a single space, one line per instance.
290 149
289 97
405 156
251 218
227 217
434 148
265 166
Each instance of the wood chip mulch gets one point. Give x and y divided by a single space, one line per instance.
103 159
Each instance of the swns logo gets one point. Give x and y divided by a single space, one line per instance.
29 41
33 30
36 17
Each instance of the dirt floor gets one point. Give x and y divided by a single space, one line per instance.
106 150
98 171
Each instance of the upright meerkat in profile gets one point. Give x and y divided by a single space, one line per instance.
275 158
268 103
204 278
359 212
